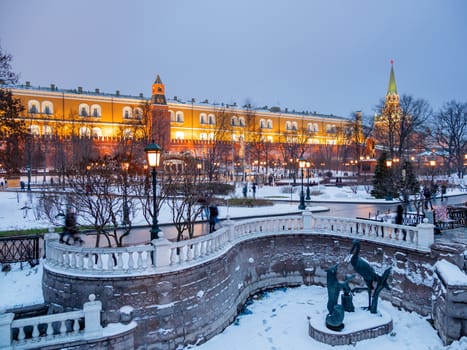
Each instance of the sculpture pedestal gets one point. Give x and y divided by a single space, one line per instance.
358 325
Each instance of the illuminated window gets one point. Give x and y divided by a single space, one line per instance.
47 107
138 112
84 132
202 118
179 135
83 110
96 110
33 106
127 112
179 117
35 130
262 124
241 121
211 119
172 116
203 136
47 130
269 124
96 132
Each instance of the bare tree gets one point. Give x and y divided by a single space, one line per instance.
450 133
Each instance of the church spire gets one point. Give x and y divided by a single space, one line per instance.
392 88
158 92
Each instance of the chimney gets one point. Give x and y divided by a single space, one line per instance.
117 92
80 89
98 91
141 95
52 87
28 84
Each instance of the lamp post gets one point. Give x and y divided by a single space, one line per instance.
153 155
308 165
301 164
432 166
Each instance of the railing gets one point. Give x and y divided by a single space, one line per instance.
164 255
41 331
133 259
19 249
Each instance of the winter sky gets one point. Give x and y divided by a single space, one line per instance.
327 56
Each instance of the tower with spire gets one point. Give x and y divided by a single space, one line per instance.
391 111
159 121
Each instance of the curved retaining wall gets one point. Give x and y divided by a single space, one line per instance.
192 305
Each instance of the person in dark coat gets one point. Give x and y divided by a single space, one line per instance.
213 214
399 220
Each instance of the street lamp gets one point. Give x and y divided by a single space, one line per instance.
308 165
153 155
432 166
302 164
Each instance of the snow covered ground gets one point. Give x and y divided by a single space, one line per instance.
276 321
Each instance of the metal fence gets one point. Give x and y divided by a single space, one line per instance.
20 249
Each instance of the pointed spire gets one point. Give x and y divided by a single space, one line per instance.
392 88
158 80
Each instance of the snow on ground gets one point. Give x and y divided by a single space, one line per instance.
277 321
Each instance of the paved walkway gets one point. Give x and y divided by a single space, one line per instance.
453 235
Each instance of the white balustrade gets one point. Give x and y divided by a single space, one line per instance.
47 330
163 254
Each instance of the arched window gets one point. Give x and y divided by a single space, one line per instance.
202 118
179 135
294 126
83 110
33 106
233 121
138 113
241 121
262 124
269 126
179 117
35 130
127 112
84 132
211 119
269 138
211 136
96 132
47 107
331 129
172 116
288 126
47 130
96 111
315 127
234 138
203 136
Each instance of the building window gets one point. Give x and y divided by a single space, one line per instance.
96 132
83 110
172 116
33 106
203 136
47 130
211 119
241 121
138 112
179 117
262 124
96 111
294 126
269 138
47 107
127 112
331 129
211 136
179 135
288 126
234 138
84 132
202 118
233 121
269 125
34 130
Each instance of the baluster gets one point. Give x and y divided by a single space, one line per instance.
173 256
75 326
196 251
50 330
80 261
35 331
99 257
131 262
21 334
72 259
90 261
139 261
66 260
62 327
110 264
119 260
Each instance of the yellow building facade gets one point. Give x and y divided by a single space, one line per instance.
53 111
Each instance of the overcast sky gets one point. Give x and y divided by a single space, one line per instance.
328 56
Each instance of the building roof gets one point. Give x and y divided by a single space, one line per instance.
392 88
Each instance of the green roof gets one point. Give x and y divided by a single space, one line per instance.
392 88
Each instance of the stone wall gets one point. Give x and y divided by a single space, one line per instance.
192 305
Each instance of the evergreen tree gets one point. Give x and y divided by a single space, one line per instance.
383 181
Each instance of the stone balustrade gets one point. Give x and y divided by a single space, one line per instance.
163 254
61 328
